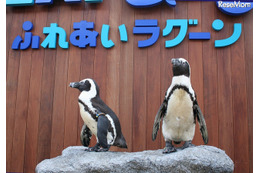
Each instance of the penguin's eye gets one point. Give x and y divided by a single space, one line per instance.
87 85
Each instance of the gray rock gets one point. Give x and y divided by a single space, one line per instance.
194 159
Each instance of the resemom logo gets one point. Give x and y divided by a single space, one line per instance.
234 7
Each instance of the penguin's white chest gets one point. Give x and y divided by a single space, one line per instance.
88 120
178 123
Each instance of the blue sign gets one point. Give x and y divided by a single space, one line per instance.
149 3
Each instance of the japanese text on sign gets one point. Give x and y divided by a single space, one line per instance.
84 34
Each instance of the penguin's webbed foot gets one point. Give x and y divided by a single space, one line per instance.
187 144
95 148
90 149
169 148
102 150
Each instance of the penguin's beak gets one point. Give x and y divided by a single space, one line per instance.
74 84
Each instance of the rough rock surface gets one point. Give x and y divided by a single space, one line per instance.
194 159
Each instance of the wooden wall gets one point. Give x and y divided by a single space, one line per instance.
42 111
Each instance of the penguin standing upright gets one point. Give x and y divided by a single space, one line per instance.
179 110
98 118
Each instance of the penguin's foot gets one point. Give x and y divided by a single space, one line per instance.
169 148
187 144
102 150
90 149
95 148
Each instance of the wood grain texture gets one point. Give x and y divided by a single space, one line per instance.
47 93
126 77
42 111
210 74
249 80
239 98
226 131
34 96
140 88
153 84
60 86
74 65
12 83
9 26
21 105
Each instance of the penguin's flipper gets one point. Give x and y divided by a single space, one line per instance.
102 129
158 117
85 135
202 123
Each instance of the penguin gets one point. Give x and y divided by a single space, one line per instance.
179 110
98 118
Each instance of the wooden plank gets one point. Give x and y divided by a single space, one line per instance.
30 160
47 93
61 85
241 167
225 98
100 62
9 25
139 88
181 50
248 43
21 109
153 84
225 114
12 84
167 54
72 109
113 61
210 75
126 77
21 112
239 98
196 62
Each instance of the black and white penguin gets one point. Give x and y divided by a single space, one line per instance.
98 118
179 110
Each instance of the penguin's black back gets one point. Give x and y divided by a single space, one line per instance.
102 107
